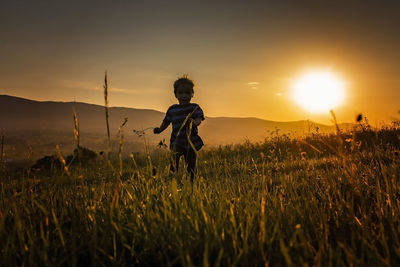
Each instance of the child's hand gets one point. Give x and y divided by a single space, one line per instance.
157 130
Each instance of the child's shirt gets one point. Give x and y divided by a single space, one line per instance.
176 114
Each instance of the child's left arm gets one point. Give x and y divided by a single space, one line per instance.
198 116
197 121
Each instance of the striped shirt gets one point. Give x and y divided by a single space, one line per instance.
177 114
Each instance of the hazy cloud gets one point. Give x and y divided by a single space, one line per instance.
118 90
132 91
254 85
78 85
84 85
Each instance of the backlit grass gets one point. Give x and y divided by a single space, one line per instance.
321 200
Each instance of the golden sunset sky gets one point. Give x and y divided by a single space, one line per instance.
244 56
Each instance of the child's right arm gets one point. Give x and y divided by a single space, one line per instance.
162 127
165 123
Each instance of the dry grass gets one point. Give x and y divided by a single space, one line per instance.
322 200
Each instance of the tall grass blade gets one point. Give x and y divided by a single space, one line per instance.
60 234
62 160
335 121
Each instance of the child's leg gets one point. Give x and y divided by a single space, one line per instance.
190 159
176 155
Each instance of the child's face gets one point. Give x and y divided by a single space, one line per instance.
184 93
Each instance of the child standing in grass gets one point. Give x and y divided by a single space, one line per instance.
185 118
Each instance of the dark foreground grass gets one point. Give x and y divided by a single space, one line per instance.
323 200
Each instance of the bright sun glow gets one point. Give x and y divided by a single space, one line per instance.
318 91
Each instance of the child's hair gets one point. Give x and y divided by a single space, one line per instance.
183 80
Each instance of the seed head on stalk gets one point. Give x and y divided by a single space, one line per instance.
141 133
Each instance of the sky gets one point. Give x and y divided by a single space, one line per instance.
243 56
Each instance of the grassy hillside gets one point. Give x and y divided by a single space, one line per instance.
324 200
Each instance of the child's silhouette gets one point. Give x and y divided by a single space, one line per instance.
184 117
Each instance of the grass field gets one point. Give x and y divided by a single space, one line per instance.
323 200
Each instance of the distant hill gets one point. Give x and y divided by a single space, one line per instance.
35 122
21 114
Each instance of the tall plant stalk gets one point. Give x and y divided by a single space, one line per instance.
107 111
121 141
2 152
76 128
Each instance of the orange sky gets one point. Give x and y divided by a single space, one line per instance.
243 55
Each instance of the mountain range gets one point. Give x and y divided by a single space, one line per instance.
40 123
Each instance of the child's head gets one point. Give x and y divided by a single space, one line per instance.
183 81
183 89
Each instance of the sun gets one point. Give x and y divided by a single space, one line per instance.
318 91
